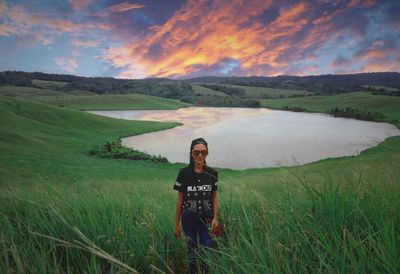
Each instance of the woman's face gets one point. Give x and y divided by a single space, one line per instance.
199 153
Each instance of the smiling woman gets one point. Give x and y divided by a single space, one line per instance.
197 202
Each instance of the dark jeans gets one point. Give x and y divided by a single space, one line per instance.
195 226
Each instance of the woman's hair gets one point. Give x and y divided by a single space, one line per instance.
196 142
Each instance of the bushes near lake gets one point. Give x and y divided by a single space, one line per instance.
357 114
216 101
117 151
294 108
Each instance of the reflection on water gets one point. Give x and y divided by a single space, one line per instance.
241 138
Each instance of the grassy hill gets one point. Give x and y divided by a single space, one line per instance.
265 92
27 91
64 211
207 91
129 101
389 105
48 84
85 100
37 138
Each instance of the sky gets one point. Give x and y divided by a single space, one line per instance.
182 39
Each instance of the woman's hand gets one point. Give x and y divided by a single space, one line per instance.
177 231
214 223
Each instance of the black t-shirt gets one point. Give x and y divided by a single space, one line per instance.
197 188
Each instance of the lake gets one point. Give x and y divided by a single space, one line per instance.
241 138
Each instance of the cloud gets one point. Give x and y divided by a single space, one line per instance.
43 28
216 37
26 21
85 43
340 62
6 30
80 4
125 6
68 64
379 55
199 35
202 34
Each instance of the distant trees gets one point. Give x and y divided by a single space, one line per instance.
102 85
182 89
14 78
382 91
167 89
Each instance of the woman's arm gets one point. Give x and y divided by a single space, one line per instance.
214 221
178 211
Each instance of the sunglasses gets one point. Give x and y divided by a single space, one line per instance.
198 152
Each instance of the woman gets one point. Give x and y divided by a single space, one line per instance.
197 201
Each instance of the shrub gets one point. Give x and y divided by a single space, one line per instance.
117 151
357 114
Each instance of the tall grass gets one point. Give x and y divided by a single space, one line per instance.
326 228
55 231
332 230
62 211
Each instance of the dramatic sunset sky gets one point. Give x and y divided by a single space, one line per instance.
180 39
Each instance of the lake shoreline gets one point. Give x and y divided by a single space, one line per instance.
317 122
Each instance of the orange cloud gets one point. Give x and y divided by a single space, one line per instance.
378 50
380 56
125 6
361 3
6 30
199 35
376 66
80 4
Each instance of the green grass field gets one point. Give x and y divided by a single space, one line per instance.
384 88
207 91
103 102
66 212
32 92
389 105
85 100
263 92
48 84
27 91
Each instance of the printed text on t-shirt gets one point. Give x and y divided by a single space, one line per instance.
199 188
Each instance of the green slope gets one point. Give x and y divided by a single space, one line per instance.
129 101
264 92
39 140
85 100
48 84
27 91
207 91
335 215
389 105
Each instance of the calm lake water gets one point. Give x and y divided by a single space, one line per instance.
241 138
